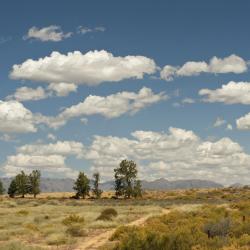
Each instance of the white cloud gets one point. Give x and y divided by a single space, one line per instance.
111 106
230 93
219 122
84 30
230 64
52 164
49 158
51 137
64 148
15 118
52 33
62 88
243 123
156 153
28 94
188 101
229 127
92 68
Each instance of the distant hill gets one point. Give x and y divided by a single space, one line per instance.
65 185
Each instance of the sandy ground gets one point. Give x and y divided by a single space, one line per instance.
97 241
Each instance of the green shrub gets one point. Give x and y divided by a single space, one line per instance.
22 212
209 228
220 228
76 231
107 214
73 219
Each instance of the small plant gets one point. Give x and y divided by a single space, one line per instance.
107 214
56 239
76 231
23 212
220 228
73 219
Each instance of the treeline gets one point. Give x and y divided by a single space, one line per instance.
127 184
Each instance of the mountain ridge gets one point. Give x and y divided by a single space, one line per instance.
66 184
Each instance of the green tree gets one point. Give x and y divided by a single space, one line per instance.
96 190
2 190
22 183
125 178
34 180
12 190
82 186
137 191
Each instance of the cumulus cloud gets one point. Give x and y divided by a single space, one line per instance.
51 164
15 118
34 94
230 93
28 94
59 148
111 106
52 33
230 64
219 122
156 153
92 68
243 123
49 158
62 88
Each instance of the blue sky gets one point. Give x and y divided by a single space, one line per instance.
163 33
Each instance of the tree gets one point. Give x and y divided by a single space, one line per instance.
137 192
96 190
22 184
125 179
34 182
12 190
2 190
82 185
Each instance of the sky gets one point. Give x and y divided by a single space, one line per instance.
86 84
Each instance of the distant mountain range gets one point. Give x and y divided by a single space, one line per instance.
65 185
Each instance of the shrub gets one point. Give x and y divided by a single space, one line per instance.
76 231
16 245
107 214
73 219
56 239
220 228
22 212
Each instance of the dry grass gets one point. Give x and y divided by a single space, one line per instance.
39 222
42 221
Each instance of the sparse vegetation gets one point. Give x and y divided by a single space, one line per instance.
207 228
216 218
107 214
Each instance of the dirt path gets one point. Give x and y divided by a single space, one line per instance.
95 242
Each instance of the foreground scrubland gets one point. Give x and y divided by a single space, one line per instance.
197 219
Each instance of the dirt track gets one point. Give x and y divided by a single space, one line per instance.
95 242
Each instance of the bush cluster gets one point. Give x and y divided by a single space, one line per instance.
209 228
107 214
